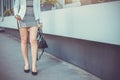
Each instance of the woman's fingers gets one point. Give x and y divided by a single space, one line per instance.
40 25
18 17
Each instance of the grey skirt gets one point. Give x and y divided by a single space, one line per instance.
29 22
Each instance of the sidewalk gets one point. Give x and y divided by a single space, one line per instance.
49 67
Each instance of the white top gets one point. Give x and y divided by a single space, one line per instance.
20 8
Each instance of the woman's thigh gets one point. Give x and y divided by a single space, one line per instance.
24 34
33 33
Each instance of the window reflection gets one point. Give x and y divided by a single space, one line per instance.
6 6
58 4
51 4
90 2
0 8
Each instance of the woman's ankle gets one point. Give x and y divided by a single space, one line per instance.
34 68
26 66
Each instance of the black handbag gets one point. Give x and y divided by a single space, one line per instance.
42 44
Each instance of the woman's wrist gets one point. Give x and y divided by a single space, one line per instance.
16 15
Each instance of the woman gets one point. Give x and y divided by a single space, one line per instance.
27 13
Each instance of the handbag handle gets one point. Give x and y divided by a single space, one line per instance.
40 35
40 32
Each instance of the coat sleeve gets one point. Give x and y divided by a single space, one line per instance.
16 7
37 10
22 9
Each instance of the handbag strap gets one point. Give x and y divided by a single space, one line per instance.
40 34
17 24
38 58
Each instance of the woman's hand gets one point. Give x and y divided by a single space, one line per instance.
40 25
17 17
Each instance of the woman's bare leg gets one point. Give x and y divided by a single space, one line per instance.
34 47
24 46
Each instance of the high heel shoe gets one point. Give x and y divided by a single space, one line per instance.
34 70
26 70
34 73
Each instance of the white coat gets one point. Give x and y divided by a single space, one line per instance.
20 8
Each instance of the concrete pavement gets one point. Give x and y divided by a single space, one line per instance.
49 67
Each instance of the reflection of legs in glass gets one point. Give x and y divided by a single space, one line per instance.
34 48
24 47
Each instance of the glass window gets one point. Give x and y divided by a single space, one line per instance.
8 7
0 8
51 4
58 4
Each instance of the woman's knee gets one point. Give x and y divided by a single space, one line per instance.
24 41
33 41
33 35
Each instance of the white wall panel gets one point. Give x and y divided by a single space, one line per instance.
97 22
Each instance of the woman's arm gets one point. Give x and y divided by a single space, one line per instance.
16 7
37 10
22 9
